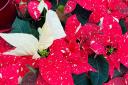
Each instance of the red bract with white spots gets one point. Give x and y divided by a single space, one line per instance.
85 34
117 81
9 75
124 59
116 10
7 60
77 59
41 81
13 67
87 31
72 26
33 9
55 70
87 4
70 6
110 25
22 62
91 4
98 13
112 47
102 35
71 48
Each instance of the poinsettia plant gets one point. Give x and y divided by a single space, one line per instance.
66 42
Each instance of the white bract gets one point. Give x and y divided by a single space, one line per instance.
27 44
41 6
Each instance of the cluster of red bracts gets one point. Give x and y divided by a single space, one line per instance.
70 54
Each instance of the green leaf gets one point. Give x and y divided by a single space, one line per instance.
101 65
29 79
61 8
123 70
32 69
122 24
56 3
63 2
81 79
82 14
22 26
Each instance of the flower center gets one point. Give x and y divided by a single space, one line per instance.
110 50
43 53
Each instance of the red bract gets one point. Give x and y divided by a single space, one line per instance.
22 9
4 46
99 8
59 45
6 60
21 6
41 81
87 4
126 2
80 34
33 9
110 25
126 22
9 75
17 1
126 76
112 47
97 47
80 64
70 6
72 26
116 10
116 7
90 4
21 1
97 14
75 48
85 34
117 81
77 59
24 61
48 4
86 31
55 70
124 59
